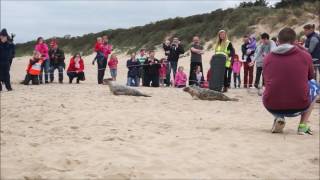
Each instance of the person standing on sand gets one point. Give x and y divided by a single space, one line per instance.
133 66
102 60
196 57
113 66
173 50
6 50
312 44
151 70
141 58
224 46
247 64
42 47
263 49
287 73
56 56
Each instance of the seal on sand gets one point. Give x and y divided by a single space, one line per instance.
206 94
122 90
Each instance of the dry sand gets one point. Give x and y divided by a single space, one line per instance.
82 131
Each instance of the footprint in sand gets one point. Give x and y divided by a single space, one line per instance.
113 139
32 177
34 144
74 127
314 161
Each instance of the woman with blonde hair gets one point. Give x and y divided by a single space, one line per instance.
221 63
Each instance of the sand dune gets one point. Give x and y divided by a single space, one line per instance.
84 132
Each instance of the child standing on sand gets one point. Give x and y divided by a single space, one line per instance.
181 78
163 71
236 68
113 62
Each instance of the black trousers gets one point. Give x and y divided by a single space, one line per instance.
227 77
5 76
192 68
153 79
102 65
80 76
258 76
33 78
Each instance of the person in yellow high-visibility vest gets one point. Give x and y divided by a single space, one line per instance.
224 46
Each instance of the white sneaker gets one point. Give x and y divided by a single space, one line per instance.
278 125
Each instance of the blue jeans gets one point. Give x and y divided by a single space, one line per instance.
113 73
133 81
171 65
60 70
46 68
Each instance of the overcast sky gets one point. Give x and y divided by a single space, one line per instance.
30 19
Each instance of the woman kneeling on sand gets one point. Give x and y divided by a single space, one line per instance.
75 69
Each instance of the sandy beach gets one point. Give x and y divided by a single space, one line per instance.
82 131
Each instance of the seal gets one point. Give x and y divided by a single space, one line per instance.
207 94
122 90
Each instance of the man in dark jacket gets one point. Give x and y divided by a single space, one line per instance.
287 72
173 50
151 71
56 56
6 50
312 44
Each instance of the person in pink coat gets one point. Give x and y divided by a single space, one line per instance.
181 78
42 47
236 68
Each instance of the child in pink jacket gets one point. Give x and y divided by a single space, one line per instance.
236 67
113 63
42 47
181 78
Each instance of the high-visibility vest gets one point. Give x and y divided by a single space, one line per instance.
225 51
35 69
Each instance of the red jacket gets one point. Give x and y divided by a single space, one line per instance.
72 66
113 63
98 47
286 71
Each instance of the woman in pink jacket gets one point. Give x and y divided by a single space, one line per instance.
181 78
42 47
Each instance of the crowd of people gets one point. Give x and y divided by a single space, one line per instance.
287 66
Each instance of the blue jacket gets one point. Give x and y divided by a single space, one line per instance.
133 67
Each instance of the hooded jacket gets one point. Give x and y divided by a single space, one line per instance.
43 49
261 51
286 72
